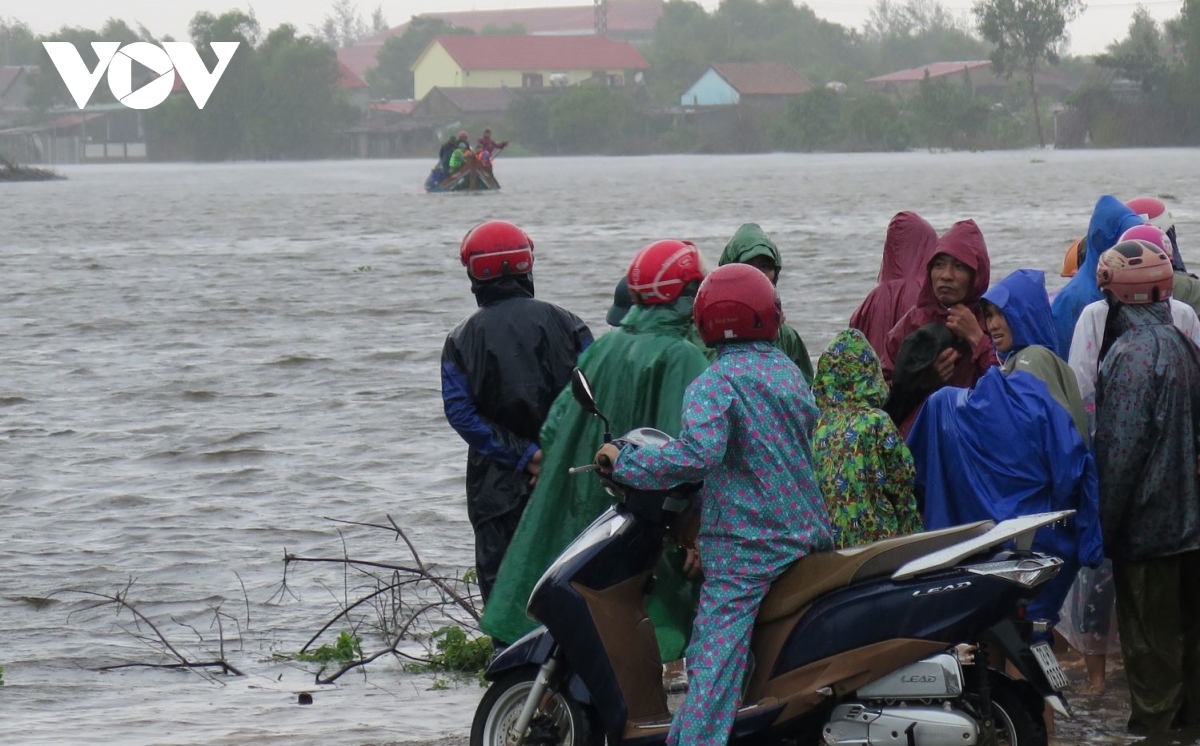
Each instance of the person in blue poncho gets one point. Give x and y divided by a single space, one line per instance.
1110 219
1010 446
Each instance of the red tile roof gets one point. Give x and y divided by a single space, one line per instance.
763 78
70 120
360 57
541 53
347 78
397 106
936 70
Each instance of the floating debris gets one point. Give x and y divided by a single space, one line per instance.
10 171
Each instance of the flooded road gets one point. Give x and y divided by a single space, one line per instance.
202 363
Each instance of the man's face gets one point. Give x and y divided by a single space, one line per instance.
766 266
951 279
997 328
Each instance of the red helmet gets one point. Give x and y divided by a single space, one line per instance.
661 272
1153 211
737 303
1136 272
1149 233
462 135
496 248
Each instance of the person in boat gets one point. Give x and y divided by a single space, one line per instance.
1147 425
638 371
1110 219
750 245
445 152
460 157
864 467
746 425
956 275
1016 443
501 369
909 245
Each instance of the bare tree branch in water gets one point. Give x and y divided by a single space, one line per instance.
402 605
154 638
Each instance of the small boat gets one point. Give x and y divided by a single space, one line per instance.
472 177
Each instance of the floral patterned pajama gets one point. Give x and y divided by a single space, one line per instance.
747 425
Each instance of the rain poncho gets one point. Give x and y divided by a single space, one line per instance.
747 243
638 373
501 369
1110 219
745 433
909 246
864 467
1008 448
1022 298
1088 341
1147 421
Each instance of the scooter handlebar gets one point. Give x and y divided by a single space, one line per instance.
583 469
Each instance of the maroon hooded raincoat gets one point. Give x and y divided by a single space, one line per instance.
907 250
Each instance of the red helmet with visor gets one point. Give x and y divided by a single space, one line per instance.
496 248
661 272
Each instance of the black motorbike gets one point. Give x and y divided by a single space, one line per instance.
899 642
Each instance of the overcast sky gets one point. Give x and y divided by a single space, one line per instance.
1103 22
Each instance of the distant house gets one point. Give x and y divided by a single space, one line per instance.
733 83
16 81
453 104
524 62
979 73
627 20
355 87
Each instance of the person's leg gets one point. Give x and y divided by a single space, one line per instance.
1189 590
1096 665
492 537
1148 615
716 659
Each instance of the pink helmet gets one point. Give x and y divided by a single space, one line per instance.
1136 272
1148 232
1153 211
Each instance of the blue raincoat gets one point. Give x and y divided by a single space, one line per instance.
747 425
1007 448
1110 219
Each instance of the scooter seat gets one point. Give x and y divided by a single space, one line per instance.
821 572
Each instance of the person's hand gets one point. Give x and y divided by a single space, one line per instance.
606 457
691 563
944 365
964 324
534 467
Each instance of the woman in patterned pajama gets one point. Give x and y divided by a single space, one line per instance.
747 422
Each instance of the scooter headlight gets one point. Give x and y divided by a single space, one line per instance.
1028 572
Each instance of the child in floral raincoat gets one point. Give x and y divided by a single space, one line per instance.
864 467
746 425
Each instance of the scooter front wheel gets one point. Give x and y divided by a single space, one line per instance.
561 721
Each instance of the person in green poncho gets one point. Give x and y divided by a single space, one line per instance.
750 245
638 372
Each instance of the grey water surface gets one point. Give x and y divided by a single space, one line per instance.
202 362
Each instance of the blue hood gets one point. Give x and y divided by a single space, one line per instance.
1022 298
1110 219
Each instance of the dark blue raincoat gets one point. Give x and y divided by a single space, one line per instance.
1110 219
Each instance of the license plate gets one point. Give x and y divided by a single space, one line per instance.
1049 665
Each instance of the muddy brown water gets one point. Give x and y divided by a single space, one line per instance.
201 363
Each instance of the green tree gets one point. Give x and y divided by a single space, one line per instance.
589 118
495 29
814 120
18 45
392 77
898 36
949 114
49 91
344 25
686 41
1140 55
1026 33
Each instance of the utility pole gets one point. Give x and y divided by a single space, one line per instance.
601 17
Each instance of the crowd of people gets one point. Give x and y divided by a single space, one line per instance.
948 399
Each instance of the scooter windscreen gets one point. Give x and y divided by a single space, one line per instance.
609 522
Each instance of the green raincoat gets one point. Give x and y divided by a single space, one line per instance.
638 373
747 243
865 469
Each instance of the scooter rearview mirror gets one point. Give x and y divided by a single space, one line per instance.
581 389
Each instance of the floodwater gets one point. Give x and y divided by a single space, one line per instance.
201 363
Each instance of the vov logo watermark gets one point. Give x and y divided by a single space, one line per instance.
175 57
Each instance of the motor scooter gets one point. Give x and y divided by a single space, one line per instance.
898 642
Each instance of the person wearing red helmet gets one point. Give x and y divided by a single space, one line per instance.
750 245
747 421
501 369
1147 425
639 371
1157 214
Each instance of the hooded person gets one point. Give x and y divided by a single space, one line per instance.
638 372
1147 424
1110 219
1008 448
909 246
863 466
750 245
501 369
955 277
